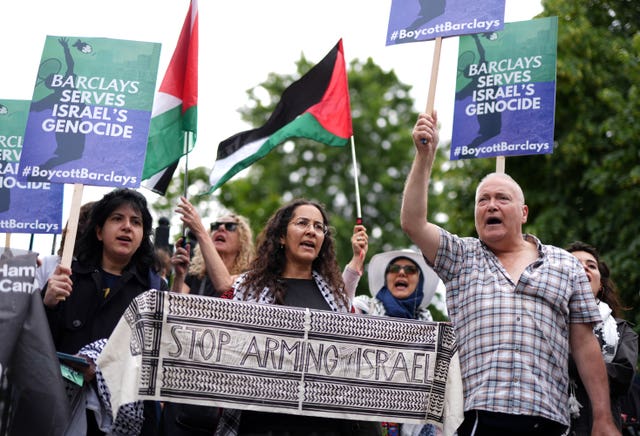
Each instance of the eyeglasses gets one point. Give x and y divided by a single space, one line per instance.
229 227
303 224
408 269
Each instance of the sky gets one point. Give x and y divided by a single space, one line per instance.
240 43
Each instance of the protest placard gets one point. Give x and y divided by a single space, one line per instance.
89 117
505 91
422 20
25 206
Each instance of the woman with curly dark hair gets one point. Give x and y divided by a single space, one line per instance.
296 265
296 250
618 342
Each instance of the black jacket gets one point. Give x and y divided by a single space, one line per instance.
620 373
86 315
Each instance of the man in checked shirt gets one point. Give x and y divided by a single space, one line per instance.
519 307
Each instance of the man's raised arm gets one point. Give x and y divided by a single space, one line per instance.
413 215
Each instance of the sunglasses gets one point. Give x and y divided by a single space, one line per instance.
229 227
408 269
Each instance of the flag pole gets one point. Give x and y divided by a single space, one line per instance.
355 180
186 143
53 244
185 149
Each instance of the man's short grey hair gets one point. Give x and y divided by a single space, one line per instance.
519 192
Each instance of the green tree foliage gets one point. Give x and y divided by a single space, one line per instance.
597 129
382 113
198 182
589 188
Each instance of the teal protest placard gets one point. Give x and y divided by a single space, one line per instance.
25 206
89 116
505 91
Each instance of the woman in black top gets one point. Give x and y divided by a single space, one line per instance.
114 264
295 265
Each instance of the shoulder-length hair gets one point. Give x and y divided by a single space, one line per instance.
243 257
270 261
608 291
89 247
83 219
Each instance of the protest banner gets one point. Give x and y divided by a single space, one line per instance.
423 20
32 395
89 117
216 352
505 91
25 207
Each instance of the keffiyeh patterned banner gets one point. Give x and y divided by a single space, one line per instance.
211 351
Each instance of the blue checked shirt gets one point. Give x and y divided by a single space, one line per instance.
514 337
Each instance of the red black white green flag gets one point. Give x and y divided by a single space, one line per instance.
174 108
316 106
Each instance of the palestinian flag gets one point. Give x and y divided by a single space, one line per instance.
315 107
174 108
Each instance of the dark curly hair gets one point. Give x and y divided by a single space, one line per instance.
608 291
269 264
89 247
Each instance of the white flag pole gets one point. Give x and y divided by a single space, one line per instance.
355 179
187 141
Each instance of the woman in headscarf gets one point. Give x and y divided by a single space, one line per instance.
401 286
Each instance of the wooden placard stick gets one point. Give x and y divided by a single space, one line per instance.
435 66
72 225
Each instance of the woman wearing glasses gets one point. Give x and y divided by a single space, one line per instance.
296 265
296 250
219 257
402 286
